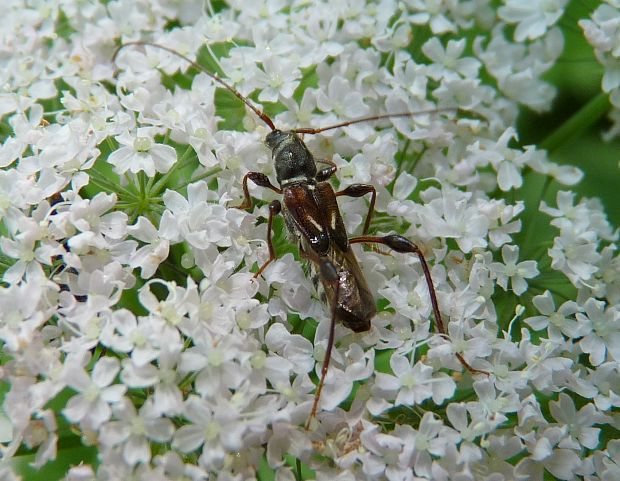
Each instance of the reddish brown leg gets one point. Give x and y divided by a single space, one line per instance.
274 209
330 274
259 179
324 174
401 244
358 190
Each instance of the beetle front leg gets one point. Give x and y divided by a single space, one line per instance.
259 179
404 245
324 174
358 190
274 209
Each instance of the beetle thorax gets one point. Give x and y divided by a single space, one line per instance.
292 159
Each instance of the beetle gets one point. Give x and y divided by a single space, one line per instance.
313 219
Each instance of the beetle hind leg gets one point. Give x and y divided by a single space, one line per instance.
330 274
401 244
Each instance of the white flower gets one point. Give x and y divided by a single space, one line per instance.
167 396
195 219
124 333
42 434
342 99
447 60
31 246
148 257
133 430
23 311
518 67
495 461
281 78
580 423
91 406
468 430
513 272
554 320
214 428
382 454
432 12
140 153
450 213
431 439
293 347
546 453
602 331
97 228
544 360
602 30
469 341
575 255
412 384
532 17
611 463
393 39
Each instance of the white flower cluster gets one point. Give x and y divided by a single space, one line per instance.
603 32
130 319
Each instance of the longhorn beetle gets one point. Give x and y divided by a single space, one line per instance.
312 217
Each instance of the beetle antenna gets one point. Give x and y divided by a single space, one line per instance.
372 118
264 117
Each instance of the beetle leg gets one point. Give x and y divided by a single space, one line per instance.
324 174
358 190
330 274
274 209
404 245
259 179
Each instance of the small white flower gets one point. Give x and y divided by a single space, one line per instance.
448 61
543 361
562 319
140 152
167 396
91 406
42 434
431 439
341 99
433 13
545 453
532 17
382 454
611 463
602 326
133 430
149 257
451 213
580 423
513 272
412 384
214 428
280 78
394 39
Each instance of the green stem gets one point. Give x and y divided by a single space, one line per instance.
103 179
142 184
131 184
107 186
578 123
298 475
161 183
202 176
